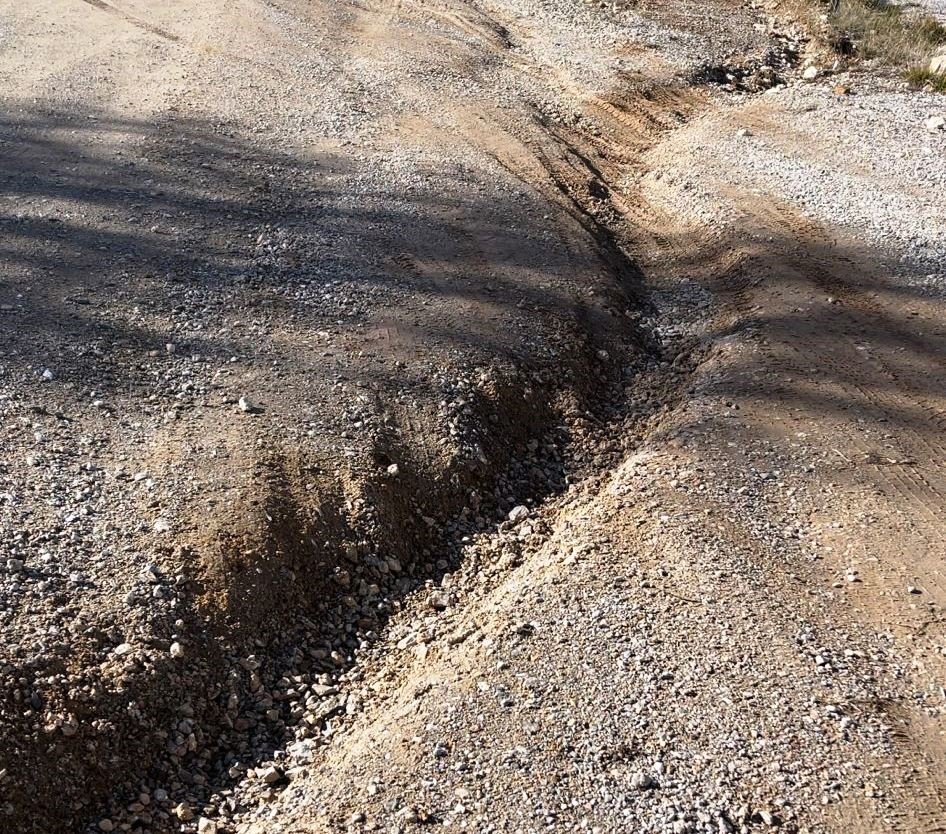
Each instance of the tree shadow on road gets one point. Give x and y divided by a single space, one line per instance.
120 237
150 265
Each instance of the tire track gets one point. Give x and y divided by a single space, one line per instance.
132 19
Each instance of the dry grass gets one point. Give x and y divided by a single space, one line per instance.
920 78
898 35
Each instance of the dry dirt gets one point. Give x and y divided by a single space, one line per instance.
515 415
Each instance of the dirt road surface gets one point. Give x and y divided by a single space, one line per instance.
513 415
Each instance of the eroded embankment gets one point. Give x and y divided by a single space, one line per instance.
272 601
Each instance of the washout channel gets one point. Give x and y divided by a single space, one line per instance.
263 614
337 327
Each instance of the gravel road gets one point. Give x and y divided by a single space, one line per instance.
504 416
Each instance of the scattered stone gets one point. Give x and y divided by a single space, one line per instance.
439 601
183 812
270 775
247 406
517 514
935 123
810 73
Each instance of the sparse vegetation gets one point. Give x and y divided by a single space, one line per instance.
899 35
922 78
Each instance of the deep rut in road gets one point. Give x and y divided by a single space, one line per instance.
294 589
384 325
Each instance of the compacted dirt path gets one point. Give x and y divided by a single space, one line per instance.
496 416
